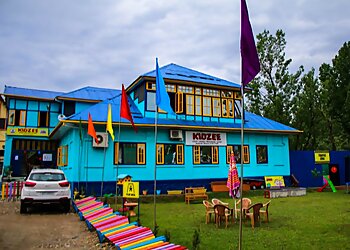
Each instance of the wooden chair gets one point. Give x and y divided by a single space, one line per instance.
246 204
253 212
209 210
265 212
222 212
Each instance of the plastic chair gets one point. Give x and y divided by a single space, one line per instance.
209 210
217 202
265 212
222 212
253 212
246 204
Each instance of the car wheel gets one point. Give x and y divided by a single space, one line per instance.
23 208
254 187
262 187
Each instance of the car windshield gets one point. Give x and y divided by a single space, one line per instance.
47 177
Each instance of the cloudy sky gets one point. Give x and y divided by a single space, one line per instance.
65 45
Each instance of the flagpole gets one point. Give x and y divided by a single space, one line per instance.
103 168
155 168
241 187
116 185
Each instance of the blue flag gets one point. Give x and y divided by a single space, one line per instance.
162 97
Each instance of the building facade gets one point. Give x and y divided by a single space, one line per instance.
190 148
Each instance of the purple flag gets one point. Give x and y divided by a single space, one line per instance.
250 59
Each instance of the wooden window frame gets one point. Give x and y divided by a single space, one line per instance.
210 107
246 154
12 112
180 154
160 154
216 108
149 86
198 97
140 153
179 102
237 95
22 117
188 104
47 118
215 155
62 156
196 154
168 89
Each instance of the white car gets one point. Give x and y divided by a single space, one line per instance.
46 186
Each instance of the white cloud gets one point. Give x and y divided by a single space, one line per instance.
63 45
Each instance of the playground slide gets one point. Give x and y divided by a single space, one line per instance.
330 183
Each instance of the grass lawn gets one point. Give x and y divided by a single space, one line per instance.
314 221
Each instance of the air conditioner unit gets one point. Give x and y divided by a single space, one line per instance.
102 140
176 134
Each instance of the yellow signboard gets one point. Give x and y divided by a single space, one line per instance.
131 190
28 131
322 157
274 181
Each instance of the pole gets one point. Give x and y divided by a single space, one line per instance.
103 168
241 187
155 169
116 185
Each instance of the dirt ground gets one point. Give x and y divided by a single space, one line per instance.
44 228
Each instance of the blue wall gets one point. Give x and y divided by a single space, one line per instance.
302 162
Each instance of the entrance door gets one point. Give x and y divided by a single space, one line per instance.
334 174
347 169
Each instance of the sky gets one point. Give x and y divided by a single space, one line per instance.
66 45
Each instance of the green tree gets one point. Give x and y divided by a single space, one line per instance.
274 90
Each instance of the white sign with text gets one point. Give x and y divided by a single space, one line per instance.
205 138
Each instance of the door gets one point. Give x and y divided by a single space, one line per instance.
334 174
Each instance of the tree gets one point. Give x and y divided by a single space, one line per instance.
274 90
335 80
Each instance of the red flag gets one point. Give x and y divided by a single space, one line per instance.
125 109
91 129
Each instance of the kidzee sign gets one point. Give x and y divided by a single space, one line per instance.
28 131
205 138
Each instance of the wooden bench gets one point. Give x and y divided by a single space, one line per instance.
195 193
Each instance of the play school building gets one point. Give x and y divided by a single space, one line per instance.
49 129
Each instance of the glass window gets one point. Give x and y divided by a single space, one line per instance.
211 92
185 89
2 123
62 156
261 154
236 149
150 86
207 106
129 153
198 105
216 107
43 119
170 87
205 155
12 117
190 104
47 177
170 154
198 91
151 101
179 103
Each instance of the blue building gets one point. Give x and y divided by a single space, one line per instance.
191 148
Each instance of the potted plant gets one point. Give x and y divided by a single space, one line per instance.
144 192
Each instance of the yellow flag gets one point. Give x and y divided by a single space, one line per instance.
109 122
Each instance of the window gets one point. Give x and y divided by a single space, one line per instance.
2 123
216 107
170 88
198 91
228 94
17 118
69 108
236 149
211 92
198 105
185 89
207 106
227 107
62 156
170 154
129 153
238 108
261 154
150 86
43 119
179 103
205 155
190 104
151 101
